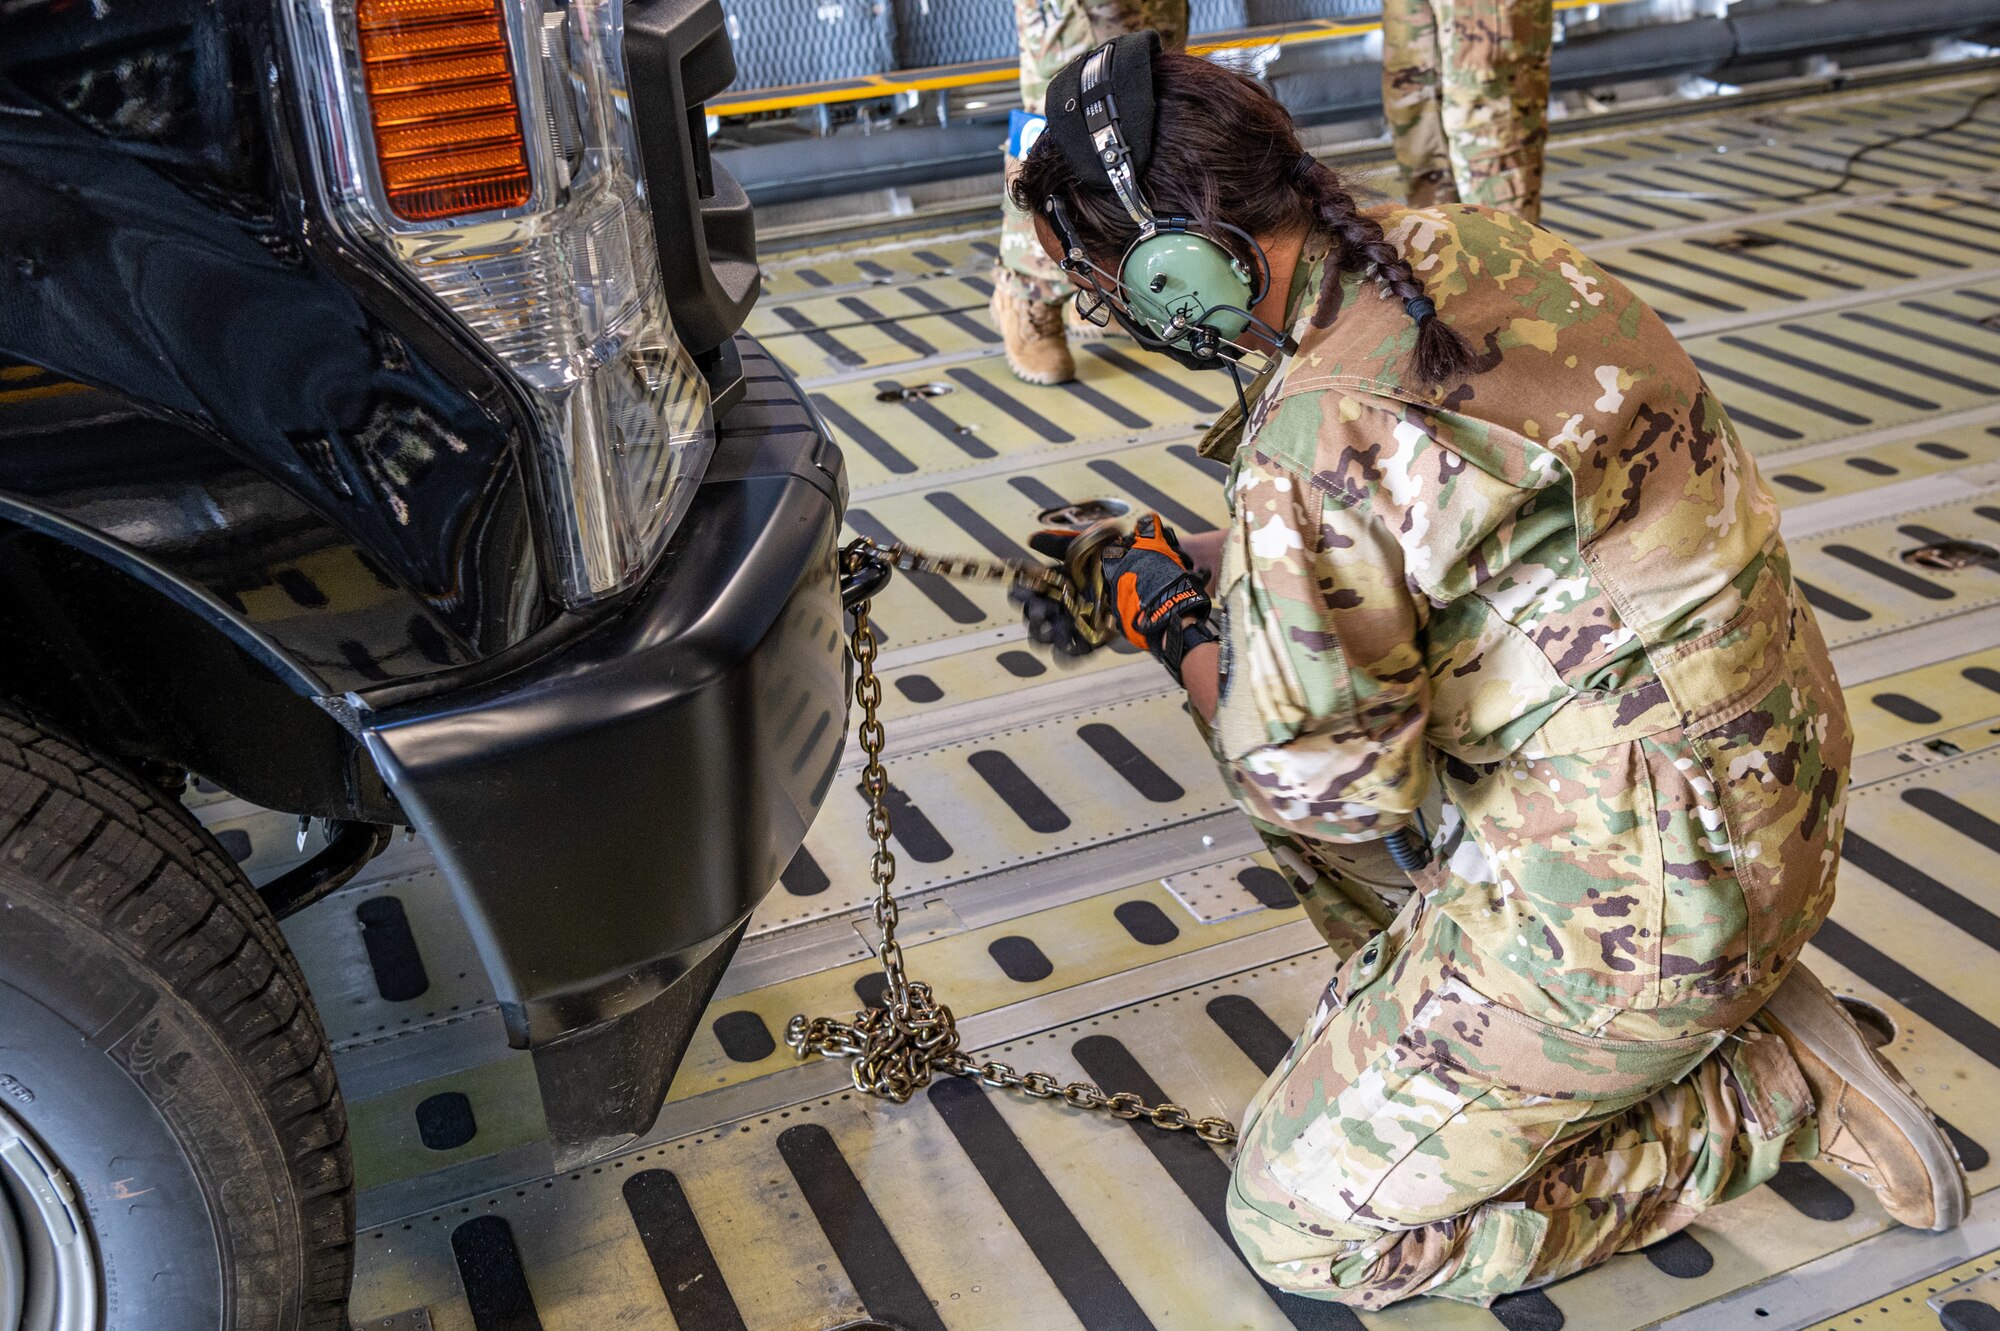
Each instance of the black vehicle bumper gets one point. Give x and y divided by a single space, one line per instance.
609 815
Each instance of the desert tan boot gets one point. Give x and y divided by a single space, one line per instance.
1037 351
1870 1122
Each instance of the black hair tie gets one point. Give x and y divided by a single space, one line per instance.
1419 308
1304 165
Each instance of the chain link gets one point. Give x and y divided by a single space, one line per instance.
897 1048
1073 583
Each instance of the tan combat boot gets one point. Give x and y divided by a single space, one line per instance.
1870 1122
1033 333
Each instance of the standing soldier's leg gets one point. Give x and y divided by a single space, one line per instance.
1028 290
1496 99
1412 101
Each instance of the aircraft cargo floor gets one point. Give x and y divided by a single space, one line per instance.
1080 890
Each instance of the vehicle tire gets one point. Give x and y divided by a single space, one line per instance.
165 1085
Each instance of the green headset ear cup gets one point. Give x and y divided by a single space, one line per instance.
1177 272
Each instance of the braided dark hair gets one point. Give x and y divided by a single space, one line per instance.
1225 150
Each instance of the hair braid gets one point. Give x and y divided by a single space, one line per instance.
1361 247
1225 151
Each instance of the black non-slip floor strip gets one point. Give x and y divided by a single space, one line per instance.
1825 371
1834 171
1201 1174
1847 257
875 1265
1209 467
1649 190
1013 406
1094 1292
1153 378
1913 991
1263 1041
1630 278
958 436
873 444
490 1273
1956 348
1958 817
1926 891
941 593
693 1285
1942 237
1904 363
1876 243
1681 261
1177 514
1760 259
1890 573
990 538
836 350
1021 793
1722 193
1681 1256
1717 370
893 329
1038 492
1130 761
1109 407
392 949
1810 1193
1601 214
1827 603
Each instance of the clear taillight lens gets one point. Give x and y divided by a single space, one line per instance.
539 241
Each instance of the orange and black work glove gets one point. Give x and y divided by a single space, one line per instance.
1157 593
1046 620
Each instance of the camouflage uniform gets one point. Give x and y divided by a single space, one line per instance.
1052 33
1554 594
1465 87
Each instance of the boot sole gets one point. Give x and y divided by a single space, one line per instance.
1832 1035
1042 381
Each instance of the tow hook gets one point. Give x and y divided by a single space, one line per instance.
862 576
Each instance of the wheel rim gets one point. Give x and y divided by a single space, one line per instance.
48 1270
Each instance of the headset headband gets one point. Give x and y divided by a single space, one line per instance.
1100 117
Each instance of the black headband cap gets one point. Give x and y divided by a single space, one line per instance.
1131 90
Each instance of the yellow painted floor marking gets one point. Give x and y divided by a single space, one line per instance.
982 831
1827 562
1081 941
1879 464
1944 688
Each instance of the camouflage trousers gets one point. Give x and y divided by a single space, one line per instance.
1052 33
1465 87
1424 1138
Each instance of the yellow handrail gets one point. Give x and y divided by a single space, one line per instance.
994 72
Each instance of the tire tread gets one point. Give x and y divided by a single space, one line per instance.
137 868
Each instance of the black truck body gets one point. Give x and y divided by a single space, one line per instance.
265 518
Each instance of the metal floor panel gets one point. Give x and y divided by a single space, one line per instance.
1080 890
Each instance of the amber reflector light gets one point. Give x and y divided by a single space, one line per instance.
441 96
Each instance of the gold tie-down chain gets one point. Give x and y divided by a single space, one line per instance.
897 1048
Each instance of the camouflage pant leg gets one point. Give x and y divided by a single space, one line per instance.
1424 1139
1051 34
1412 102
1495 98
1349 891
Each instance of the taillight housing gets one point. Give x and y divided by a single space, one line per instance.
485 149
